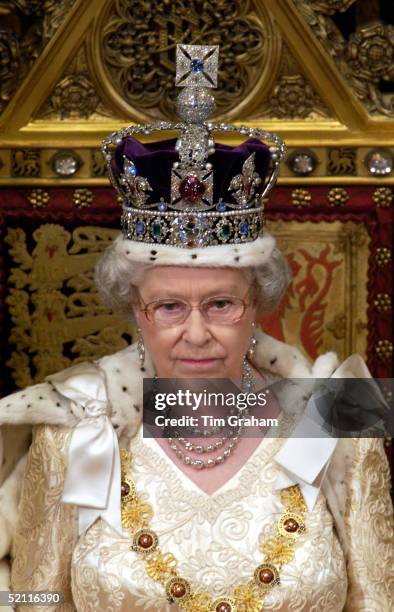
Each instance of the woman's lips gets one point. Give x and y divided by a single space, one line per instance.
198 362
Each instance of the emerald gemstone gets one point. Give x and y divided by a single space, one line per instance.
225 231
156 229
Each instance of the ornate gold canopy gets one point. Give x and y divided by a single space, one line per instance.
72 71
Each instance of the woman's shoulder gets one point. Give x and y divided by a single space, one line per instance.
40 403
300 382
289 361
45 414
49 402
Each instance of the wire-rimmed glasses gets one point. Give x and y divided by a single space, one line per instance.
217 310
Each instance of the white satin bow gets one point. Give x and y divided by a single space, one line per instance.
305 456
93 475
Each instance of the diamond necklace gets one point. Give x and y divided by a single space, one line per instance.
229 444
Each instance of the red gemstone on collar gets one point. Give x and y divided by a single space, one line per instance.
178 589
266 575
291 525
125 489
145 540
191 188
223 606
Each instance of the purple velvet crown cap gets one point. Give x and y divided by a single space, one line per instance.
154 161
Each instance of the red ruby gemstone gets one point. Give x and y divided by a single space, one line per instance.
178 589
125 489
145 540
266 575
247 185
191 188
291 525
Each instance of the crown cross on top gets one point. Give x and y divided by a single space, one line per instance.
196 66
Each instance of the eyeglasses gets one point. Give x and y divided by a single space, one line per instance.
217 310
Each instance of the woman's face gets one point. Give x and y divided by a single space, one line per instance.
196 348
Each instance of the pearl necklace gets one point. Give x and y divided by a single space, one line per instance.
200 464
230 444
161 566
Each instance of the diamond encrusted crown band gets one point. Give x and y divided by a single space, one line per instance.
180 193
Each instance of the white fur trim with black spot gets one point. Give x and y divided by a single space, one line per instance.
246 254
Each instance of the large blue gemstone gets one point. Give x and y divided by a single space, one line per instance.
182 235
129 168
197 65
140 227
244 228
221 206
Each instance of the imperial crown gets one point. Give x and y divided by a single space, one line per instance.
187 192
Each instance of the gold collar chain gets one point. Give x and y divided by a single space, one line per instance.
247 596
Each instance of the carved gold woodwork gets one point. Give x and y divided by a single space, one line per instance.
31 24
75 96
133 52
284 65
329 7
364 60
293 96
57 317
26 163
341 161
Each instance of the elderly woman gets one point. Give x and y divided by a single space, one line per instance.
115 521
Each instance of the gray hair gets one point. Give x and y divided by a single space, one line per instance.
116 277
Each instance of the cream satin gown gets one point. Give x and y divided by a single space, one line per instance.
215 539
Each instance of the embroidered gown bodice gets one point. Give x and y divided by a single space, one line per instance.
215 539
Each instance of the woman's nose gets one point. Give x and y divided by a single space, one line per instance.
196 329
